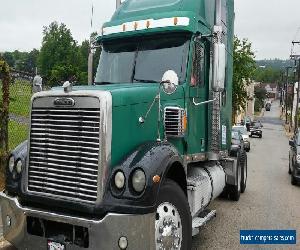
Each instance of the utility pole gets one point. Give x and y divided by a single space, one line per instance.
286 94
296 58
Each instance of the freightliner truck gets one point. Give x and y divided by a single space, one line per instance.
133 160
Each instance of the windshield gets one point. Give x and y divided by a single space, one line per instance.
235 135
241 129
144 60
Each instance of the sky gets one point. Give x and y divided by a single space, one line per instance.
270 25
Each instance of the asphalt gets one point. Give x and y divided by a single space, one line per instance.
270 201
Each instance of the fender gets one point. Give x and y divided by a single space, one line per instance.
154 158
19 153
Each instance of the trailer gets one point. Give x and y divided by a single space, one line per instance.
133 160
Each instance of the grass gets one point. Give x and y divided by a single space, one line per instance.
20 97
17 133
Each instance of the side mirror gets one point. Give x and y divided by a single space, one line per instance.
291 143
37 84
169 82
219 64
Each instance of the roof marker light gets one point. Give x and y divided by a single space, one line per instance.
148 24
175 21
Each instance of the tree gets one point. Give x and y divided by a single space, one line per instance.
58 58
260 95
244 67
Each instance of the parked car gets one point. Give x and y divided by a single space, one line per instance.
268 106
243 130
237 142
256 129
294 158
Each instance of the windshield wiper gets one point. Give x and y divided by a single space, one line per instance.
145 81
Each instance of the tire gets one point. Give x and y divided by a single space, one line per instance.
248 150
290 167
260 136
234 191
250 135
293 180
244 175
173 208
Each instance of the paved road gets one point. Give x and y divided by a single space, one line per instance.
270 201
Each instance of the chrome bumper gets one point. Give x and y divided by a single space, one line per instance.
103 234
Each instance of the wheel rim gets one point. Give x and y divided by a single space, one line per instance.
168 227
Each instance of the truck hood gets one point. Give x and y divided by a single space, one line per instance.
130 94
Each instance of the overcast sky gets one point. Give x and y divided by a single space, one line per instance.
270 25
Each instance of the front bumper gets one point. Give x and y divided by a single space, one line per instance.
246 144
256 132
103 233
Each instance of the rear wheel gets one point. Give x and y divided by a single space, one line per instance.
290 167
173 225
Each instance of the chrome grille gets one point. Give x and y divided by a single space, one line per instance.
64 153
173 118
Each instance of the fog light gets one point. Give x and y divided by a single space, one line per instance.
8 221
123 243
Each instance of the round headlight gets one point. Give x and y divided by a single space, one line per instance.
119 180
11 163
19 166
138 180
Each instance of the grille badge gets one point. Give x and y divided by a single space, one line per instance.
64 102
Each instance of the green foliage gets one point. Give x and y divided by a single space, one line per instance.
260 95
17 133
267 75
22 61
243 71
60 58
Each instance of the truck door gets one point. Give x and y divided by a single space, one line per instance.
198 92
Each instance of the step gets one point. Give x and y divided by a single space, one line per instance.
202 219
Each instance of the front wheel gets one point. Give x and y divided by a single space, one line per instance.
244 174
235 190
173 225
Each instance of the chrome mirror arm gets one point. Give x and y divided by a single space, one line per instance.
202 103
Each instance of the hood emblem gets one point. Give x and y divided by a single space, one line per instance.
64 102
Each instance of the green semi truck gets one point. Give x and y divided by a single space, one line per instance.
133 160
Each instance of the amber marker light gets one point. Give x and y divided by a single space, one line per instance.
156 178
184 122
175 20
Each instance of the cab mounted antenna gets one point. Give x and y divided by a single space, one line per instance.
91 54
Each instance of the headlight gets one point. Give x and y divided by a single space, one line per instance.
19 166
11 163
298 158
138 180
119 180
